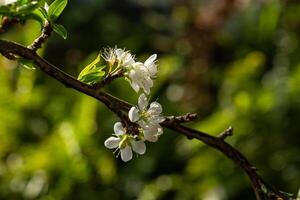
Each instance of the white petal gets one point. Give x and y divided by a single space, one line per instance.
158 119
152 69
150 60
119 53
133 114
151 138
126 153
138 146
147 84
119 129
155 108
151 133
142 101
135 86
112 142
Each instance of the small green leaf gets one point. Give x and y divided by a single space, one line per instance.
60 30
26 64
43 12
56 8
92 77
92 72
40 15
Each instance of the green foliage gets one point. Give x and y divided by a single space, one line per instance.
56 8
26 64
24 9
60 30
93 72
19 8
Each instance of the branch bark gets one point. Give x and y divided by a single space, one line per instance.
262 190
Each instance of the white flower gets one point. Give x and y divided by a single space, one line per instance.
125 143
141 74
151 66
139 77
118 56
148 118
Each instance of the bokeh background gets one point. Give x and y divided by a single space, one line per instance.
234 62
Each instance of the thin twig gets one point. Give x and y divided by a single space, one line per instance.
108 79
183 118
46 32
262 191
228 132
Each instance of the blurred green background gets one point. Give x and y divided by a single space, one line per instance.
234 62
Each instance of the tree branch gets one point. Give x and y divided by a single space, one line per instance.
262 190
46 32
108 79
7 22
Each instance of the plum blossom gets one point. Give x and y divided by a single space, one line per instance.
118 56
125 143
149 119
141 74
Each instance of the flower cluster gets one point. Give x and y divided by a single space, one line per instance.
149 119
147 116
139 74
125 143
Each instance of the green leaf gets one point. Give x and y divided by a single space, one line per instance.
92 77
60 30
39 15
56 8
19 8
26 64
43 12
92 72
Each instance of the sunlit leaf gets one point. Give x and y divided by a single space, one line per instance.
56 8
60 30
92 72
26 64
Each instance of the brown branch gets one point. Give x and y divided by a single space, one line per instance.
7 22
183 118
46 32
262 190
108 79
228 132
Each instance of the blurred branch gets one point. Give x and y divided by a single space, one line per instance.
7 22
228 132
46 32
262 190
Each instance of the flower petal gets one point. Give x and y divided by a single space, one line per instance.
150 60
142 102
155 108
119 129
138 146
126 153
112 142
151 138
133 114
151 133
